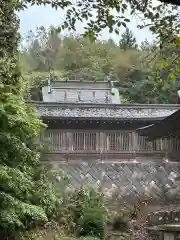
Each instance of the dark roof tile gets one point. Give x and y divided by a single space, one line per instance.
105 111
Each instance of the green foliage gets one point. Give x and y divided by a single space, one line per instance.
127 41
141 75
15 213
86 11
27 196
78 58
52 231
119 220
162 19
85 213
119 224
92 222
100 14
48 194
9 71
22 204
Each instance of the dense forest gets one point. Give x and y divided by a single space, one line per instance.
139 76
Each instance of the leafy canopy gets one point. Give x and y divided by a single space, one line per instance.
100 14
137 70
162 18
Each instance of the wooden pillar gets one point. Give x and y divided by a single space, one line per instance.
101 141
98 141
134 141
168 236
107 141
70 141
101 144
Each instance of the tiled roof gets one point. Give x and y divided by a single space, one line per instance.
80 84
80 92
166 127
104 111
78 96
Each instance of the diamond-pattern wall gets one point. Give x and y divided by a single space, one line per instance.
156 180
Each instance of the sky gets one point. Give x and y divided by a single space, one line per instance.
36 16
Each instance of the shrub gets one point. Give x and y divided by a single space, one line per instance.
119 224
85 213
27 197
45 194
119 220
92 222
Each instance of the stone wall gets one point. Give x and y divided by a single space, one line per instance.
128 181
164 217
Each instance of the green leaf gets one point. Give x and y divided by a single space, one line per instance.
124 6
124 24
117 31
110 20
172 76
110 30
58 30
119 24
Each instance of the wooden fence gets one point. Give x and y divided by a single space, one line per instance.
106 141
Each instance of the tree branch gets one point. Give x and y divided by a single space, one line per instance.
173 2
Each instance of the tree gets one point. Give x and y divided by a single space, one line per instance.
42 48
127 41
173 2
162 19
138 71
81 58
98 14
26 197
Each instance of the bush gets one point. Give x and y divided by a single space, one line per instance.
84 213
45 194
118 220
92 222
27 198
119 224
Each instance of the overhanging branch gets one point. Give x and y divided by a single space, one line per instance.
173 2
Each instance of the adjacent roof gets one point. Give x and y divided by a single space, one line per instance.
170 126
80 84
104 111
81 92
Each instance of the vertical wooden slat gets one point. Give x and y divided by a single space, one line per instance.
134 141
70 140
102 142
98 140
112 141
177 144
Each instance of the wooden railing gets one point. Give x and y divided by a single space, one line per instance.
106 141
